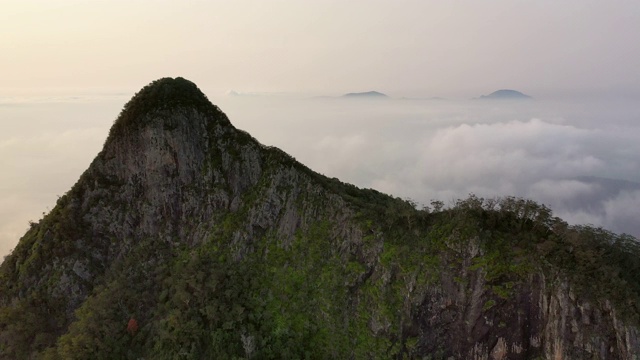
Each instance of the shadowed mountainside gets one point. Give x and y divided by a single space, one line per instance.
187 238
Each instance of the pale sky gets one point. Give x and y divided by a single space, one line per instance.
405 48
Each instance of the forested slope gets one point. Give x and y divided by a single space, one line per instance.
186 238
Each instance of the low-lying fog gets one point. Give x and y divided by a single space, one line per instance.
579 157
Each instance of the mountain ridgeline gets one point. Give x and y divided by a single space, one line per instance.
366 95
188 239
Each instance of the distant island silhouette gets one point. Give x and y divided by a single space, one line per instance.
367 94
506 94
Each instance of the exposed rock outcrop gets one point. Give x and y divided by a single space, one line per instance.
221 247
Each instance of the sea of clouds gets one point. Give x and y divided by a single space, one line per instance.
579 157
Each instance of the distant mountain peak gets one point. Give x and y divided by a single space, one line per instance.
506 94
366 94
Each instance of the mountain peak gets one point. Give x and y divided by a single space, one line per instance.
187 238
366 94
506 94
162 94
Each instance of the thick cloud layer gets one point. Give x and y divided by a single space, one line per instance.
578 157
45 144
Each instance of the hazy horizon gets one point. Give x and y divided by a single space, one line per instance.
565 154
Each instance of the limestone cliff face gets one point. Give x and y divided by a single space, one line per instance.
543 318
217 246
173 180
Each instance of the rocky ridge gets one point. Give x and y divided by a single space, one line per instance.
214 245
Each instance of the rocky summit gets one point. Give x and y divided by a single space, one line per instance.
188 239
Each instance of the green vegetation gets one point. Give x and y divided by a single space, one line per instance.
310 299
293 265
163 95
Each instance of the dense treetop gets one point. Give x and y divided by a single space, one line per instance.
163 94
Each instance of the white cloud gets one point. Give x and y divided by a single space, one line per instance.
446 150
622 212
548 190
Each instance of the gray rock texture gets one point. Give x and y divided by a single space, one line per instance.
178 180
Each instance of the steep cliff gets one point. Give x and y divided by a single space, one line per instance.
186 238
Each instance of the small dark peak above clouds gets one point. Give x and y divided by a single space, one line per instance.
506 94
366 95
